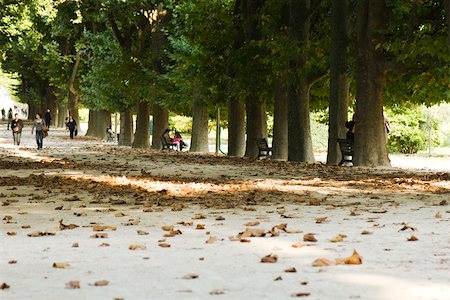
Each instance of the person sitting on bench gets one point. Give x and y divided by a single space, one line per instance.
182 143
169 140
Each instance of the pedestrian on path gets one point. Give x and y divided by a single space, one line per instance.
16 127
10 117
48 118
72 125
39 125
3 114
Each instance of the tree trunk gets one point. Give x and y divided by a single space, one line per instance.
256 126
91 123
299 130
142 134
280 121
236 127
126 128
62 114
370 140
339 83
200 117
102 121
160 123
73 94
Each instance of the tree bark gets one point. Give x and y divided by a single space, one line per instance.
370 139
256 126
160 123
236 127
91 124
73 94
339 83
200 115
126 128
99 121
280 122
62 114
142 135
299 131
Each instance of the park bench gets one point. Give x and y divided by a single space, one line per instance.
168 145
109 135
263 148
346 147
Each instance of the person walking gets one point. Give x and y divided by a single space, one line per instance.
72 125
3 114
39 124
48 118
10 117
16 127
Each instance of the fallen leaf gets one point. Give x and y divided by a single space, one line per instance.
211 240
65 227
73 284
131 222
119 215
291 270
198 217
200 226
137 247
167 228
4 286
339 238
269 259
142 232
300 294
11 233
412 238
12 262
104 228
173 233
164 245
364 232
216 292
244 240
39 233
406 227
296 245
255 223
250 232
99 235
190 223
220 218
190 276
60 265
321 262
321 220
278 278
101 283
75 245
104 245
355 259
309 237
438 216
26 226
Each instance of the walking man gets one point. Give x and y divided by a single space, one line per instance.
16 127
10 117
48 118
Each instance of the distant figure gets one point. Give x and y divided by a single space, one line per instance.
10 117
16 127
48 118
350 135
72 125
39 124
180 138
3 114
168 139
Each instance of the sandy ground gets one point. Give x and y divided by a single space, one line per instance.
139 194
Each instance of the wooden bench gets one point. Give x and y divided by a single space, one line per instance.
346 147
263 148
168 145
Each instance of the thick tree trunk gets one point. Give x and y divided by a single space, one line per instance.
160 123
91 124
236 127
73 94
142 135
339 83
62 114
102 122
299 131
200 115
280 121
256 126
370 139
126 128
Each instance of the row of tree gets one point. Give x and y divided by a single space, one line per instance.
249 57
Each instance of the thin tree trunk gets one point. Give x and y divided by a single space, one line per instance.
370 141
339 83
200 115
299 129
62 114
126 128
280 122
73 94
160 123
256 126
236 127
142 135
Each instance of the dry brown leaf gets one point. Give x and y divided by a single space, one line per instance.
73 284
142 232
104 228
220 218
216 292
173 233
200 226
254 223
120 215
300 294
65 227
278 278
75 245
250 232
438 216
4 286
296 245
11 233
244 240
190 276
412 238
164 245
321 220
60 265
365 232
26 226
322 262
211 240
40 233
291 270
406 227
199 216
190 223
137 247
167 228
355 259
131 222
12 262
104 245
339 238
101 283
309 237
99 235
269 259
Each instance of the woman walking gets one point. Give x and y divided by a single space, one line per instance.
72 125
39 124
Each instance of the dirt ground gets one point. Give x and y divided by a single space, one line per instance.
85 219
